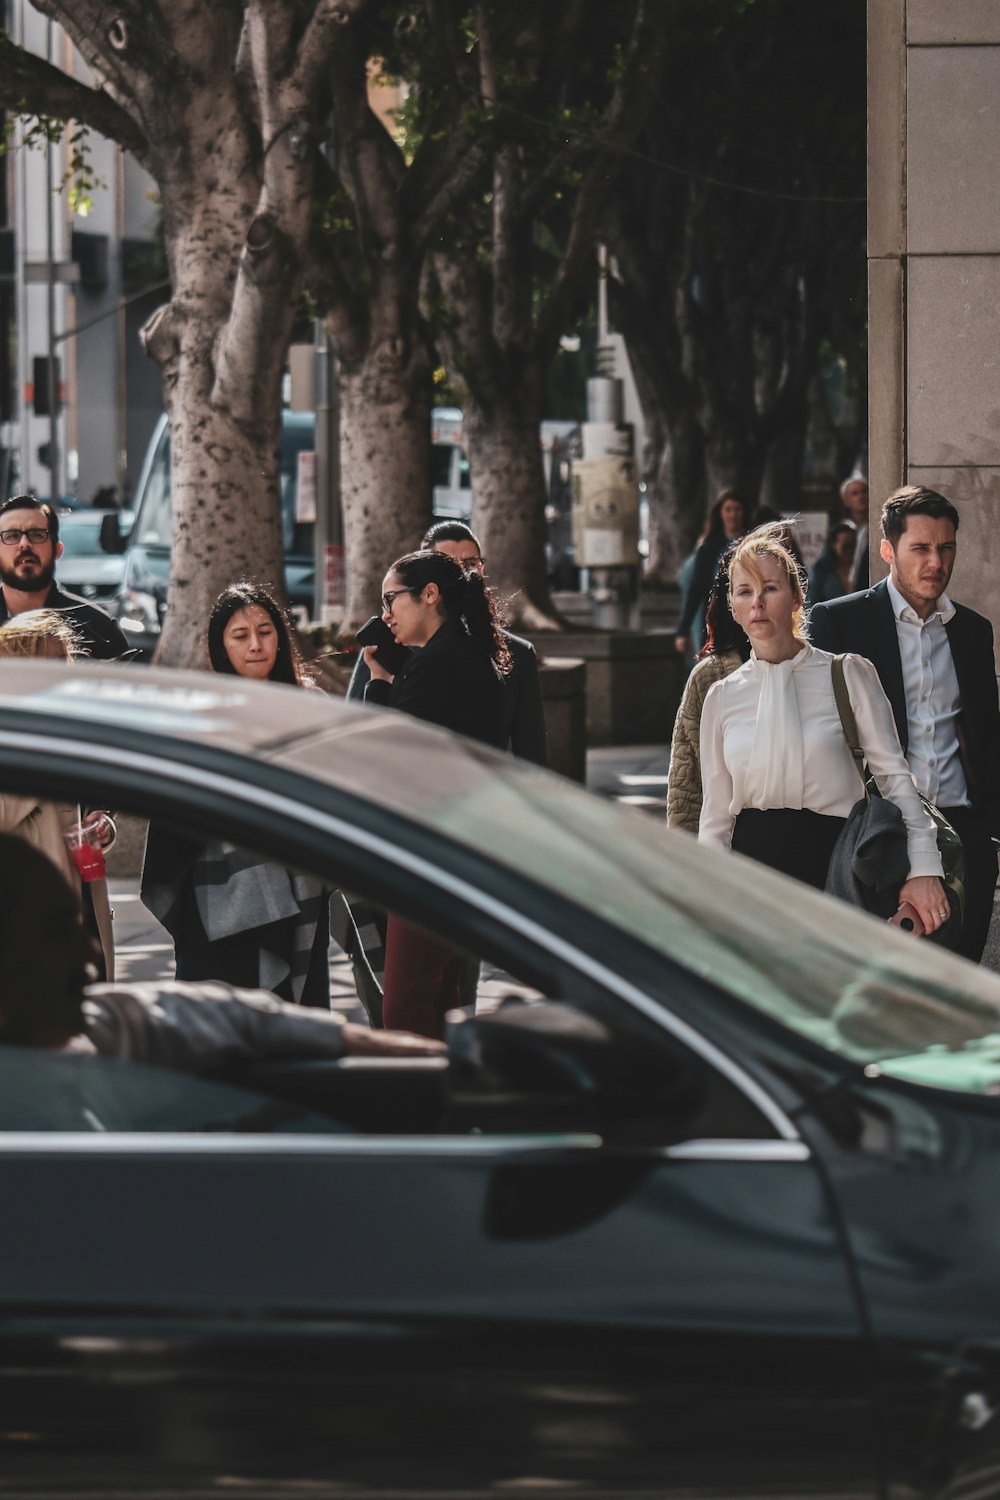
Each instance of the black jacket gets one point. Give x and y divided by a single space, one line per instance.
865 624
102 637
523 711
452 682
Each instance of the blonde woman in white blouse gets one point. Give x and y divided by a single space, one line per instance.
778 779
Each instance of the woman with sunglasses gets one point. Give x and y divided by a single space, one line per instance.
453 678
447 615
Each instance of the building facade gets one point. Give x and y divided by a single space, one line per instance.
934 268
78 398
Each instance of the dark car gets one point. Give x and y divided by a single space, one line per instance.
712 1212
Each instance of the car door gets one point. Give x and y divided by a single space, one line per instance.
196 1286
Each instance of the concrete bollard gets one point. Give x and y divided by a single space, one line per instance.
634 682
564 697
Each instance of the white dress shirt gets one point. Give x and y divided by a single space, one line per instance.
771 737
933 702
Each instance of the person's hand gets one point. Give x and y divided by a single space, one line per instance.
926 895
102 825
681 644
375 667
363 1041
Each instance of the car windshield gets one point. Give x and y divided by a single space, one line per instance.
297 438
843 980
869 994
81 535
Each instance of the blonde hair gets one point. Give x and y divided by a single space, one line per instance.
769 542
28 634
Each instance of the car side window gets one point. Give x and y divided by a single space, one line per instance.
57 1091
538 1053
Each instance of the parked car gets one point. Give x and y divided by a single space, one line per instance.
712 1213
85 568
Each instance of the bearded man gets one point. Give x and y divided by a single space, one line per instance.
29 547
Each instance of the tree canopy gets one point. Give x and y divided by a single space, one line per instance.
738 229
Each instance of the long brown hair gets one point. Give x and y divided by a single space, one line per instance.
464 596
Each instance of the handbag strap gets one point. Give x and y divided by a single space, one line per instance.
847 720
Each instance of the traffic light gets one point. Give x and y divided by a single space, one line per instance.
47 379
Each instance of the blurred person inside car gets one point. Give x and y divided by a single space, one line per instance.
232 916
50 1000
51 826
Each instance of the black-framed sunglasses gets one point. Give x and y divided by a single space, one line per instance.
36 535
393 594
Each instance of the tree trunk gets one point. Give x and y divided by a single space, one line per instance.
508 505
385 426
220 345
783 472
674 470
226 526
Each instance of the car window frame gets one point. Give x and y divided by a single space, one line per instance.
382 868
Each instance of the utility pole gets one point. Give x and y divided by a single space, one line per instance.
330 590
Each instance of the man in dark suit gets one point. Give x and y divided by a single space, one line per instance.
524 714
935 662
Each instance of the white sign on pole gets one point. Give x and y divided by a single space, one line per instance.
305 487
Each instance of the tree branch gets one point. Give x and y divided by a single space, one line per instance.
328 24
453 174
30 85
624 117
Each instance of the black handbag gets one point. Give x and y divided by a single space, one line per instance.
869 846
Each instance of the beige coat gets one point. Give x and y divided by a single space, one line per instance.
684 784
43 824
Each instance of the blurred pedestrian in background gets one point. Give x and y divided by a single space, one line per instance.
726 521
831 575
854 499
233 917
726 649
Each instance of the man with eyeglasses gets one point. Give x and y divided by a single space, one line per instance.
29 547
524 715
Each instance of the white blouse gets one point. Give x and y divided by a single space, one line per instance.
771 737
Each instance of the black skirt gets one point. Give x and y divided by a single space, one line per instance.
790 839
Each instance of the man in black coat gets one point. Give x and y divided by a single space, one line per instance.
523 712
29 547
935 661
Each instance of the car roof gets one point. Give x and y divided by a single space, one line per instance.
752 932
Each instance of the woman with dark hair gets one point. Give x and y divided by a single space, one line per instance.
726 522
447 615
233 917
726 649
249 636
453 678
524 713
